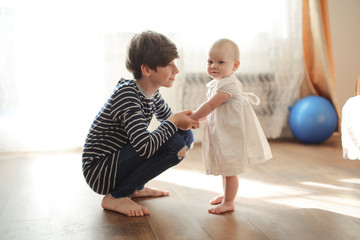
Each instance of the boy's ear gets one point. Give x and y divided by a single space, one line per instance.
145 70
236 65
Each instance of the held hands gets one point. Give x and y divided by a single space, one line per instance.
183 121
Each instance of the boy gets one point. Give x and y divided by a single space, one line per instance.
120 155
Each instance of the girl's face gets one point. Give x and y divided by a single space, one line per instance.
221 62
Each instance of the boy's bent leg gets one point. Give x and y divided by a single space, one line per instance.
152 192
171 154
128 160
151 168
167 156
188 137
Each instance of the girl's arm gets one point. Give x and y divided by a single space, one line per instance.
210 105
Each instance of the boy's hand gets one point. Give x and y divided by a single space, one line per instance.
183 121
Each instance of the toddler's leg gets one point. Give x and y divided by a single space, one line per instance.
231 186
218 199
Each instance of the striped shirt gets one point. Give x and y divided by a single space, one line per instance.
124 120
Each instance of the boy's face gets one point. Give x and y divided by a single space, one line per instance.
164 76
221 62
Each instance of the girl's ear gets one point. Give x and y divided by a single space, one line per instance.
236 65
145 70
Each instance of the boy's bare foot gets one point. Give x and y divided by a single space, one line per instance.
124 205
223 208
149 192
217 200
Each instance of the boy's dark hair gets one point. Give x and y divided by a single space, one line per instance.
152 49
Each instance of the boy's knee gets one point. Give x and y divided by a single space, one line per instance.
188 137
178 145
182 152
176 142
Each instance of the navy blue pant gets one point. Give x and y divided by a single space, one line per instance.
133 172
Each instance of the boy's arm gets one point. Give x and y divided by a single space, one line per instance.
162 109
126 109
210 105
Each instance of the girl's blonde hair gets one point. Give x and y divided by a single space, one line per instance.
230 43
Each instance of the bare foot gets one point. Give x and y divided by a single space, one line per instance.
223 208
217 200
149 192
124 205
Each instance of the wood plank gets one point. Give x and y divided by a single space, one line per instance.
304 192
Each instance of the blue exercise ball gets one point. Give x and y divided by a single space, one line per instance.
313 119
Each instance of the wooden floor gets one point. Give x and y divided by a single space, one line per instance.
304 192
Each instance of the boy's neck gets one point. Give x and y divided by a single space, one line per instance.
146 85
146 94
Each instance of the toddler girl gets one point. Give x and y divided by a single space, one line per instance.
233 135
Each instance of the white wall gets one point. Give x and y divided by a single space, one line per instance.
345 34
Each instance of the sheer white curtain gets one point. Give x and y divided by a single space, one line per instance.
60 60
51 77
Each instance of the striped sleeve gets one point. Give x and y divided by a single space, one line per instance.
127 109
162 110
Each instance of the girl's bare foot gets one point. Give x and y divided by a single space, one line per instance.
223 208
149 192
217 200
123 205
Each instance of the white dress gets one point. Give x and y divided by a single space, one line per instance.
233 136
